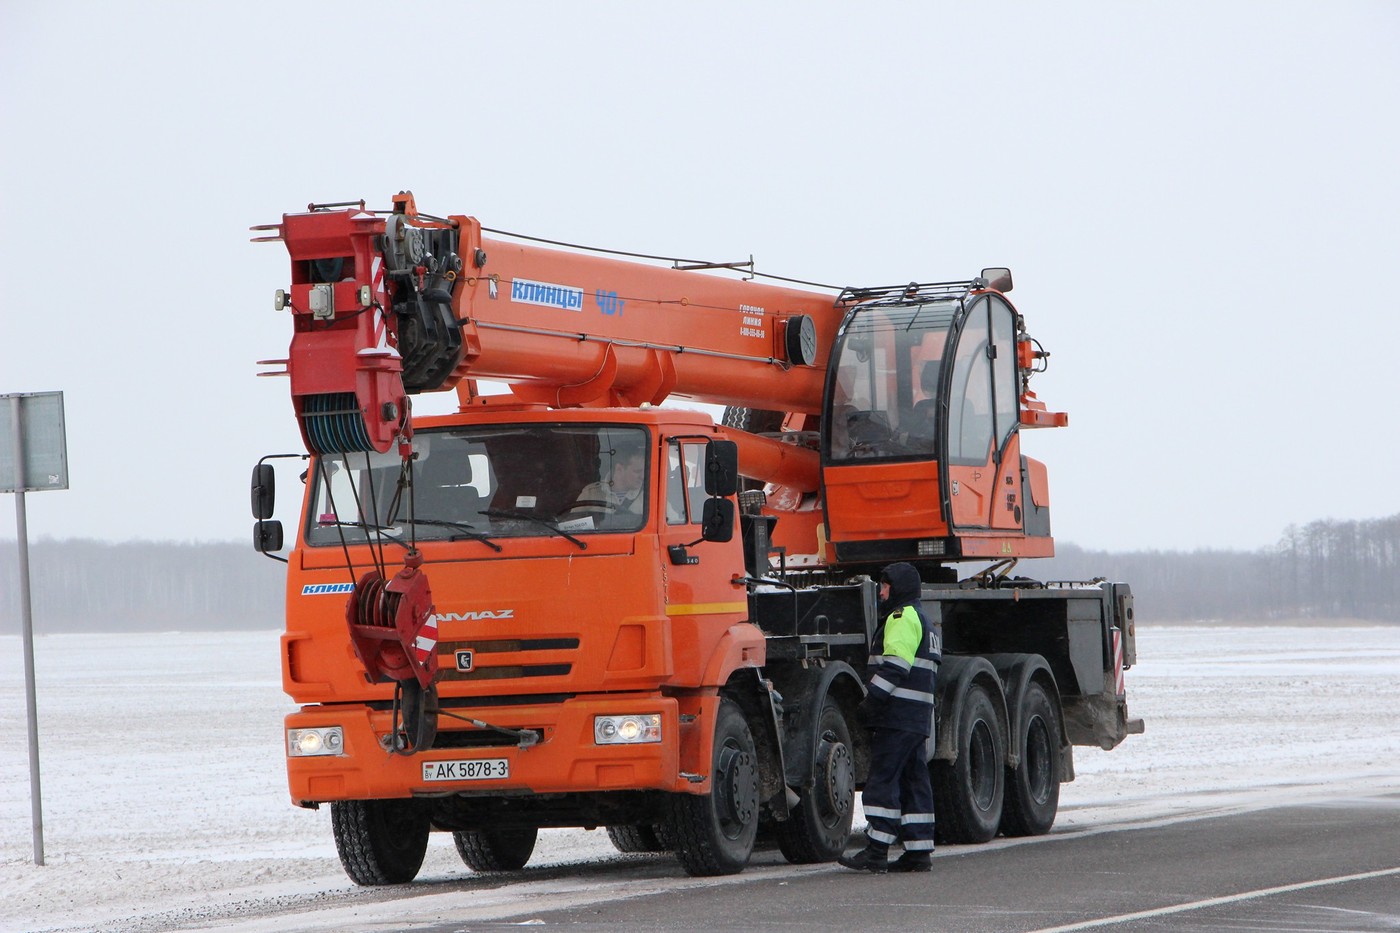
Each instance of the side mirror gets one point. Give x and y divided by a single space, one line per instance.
264 491
998 278
721 469
267 536
717 521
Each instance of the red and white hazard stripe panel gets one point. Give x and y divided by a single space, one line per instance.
381 324
426 642
1118 688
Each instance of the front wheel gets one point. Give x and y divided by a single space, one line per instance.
380 841
488 850
1033 787
714 833
638 837
968 791
818 828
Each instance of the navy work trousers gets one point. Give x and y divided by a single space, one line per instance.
898 796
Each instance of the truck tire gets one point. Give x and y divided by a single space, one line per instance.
753 420
380 841
488 850
817 829
714 833
968 791
639 837
1033 787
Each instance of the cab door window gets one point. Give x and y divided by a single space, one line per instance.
685 482
1004 369
983 408
970 407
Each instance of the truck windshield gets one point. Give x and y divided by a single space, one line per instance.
486 483
883 395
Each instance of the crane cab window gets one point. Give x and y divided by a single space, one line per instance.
906 376
883 391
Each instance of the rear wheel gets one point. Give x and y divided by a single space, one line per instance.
714 833
1033 787
819 826
380 841
968 791
488 850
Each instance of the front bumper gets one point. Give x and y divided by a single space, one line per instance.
566 759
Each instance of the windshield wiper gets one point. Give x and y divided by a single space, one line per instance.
527 517
466 531
367 527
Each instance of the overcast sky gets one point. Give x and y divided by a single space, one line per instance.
1198 200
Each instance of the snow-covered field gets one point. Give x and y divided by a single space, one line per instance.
163 780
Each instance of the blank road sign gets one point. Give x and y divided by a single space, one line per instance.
45 463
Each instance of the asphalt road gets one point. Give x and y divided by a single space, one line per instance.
1332 867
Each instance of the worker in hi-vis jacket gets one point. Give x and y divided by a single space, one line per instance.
898 710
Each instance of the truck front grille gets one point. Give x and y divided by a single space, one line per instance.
467 660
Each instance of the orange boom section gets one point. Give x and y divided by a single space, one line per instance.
568 329
390 305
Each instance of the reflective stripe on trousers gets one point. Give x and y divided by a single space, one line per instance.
898 796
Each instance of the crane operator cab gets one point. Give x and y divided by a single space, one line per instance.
921 458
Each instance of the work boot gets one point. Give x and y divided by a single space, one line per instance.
868 859
913 861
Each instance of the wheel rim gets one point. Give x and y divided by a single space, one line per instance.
982 765
835 778
737 790
1037 760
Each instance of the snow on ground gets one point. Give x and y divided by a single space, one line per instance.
163 782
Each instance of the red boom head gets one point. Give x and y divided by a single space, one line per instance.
347 387
371 300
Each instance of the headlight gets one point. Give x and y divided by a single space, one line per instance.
305 743
627 730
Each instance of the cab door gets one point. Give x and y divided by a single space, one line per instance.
702 600
983 452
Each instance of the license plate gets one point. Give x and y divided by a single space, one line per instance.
467 769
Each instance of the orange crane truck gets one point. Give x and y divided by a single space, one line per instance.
572 606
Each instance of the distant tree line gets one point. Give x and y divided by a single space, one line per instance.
1323 570
80 585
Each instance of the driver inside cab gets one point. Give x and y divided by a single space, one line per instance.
620 492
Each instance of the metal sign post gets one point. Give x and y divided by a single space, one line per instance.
39 465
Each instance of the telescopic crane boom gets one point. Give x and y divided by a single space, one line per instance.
389 305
